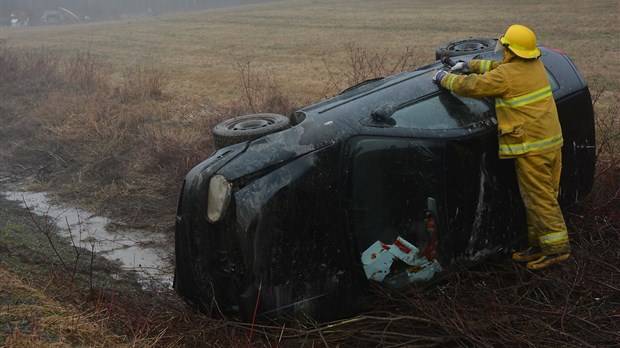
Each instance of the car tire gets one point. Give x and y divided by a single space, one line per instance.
247 127
465 46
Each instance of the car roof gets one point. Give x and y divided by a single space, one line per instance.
357 103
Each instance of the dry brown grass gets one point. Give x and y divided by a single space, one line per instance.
36 320
115 113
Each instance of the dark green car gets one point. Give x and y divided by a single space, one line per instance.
393 181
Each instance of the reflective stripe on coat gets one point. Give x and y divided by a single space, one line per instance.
526 112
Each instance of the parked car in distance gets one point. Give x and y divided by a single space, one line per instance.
394 181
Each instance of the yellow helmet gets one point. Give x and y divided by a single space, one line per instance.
521 41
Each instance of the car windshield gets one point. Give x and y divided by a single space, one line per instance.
443 111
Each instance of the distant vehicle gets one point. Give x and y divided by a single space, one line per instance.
393 181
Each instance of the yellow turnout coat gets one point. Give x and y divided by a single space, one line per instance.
526 114
529 131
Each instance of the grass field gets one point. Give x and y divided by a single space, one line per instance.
111 115
292 36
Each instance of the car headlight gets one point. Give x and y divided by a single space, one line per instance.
219 196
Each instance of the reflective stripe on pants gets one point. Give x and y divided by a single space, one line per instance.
539 183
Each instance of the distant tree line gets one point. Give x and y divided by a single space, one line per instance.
110 9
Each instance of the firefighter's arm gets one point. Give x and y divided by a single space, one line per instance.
491 84
481 66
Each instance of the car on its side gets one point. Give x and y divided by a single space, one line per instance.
393 181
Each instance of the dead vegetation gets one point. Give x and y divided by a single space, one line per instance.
261 91
362 65
67 123
127 144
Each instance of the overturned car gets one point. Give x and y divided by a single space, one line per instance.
393 181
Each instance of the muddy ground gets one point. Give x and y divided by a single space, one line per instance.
35 261
54 294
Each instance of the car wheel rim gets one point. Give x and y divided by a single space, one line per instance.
250 124
469 46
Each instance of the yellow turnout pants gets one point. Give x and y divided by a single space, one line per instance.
539 183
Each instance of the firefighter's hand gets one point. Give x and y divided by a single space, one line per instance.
460 66
439 75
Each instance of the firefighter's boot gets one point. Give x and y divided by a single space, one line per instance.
529 254
547 260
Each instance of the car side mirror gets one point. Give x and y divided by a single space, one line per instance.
384 113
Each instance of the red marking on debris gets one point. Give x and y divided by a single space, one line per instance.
402 247
385 246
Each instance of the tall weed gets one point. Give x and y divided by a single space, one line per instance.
26 71
87 72
142 83
261 91
606 192
363 64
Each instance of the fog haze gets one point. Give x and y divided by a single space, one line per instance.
40 11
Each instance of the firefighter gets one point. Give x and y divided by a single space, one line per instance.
529 132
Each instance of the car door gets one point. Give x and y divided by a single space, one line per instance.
396 186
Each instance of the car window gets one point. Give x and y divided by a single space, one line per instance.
390 184
443 111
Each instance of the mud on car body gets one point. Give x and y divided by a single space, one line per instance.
393 181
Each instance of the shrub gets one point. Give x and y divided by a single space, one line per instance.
364 65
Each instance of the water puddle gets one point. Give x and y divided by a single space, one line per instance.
134 249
